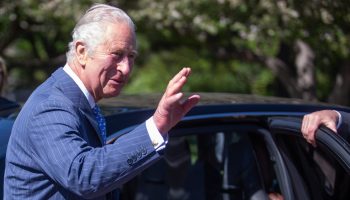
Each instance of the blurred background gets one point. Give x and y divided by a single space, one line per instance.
287 48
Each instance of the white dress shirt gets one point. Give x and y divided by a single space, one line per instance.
157 139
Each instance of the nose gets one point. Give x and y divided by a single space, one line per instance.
125 65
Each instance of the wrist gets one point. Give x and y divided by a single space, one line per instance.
160 123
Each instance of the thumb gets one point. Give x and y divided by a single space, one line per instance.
190 103
332 126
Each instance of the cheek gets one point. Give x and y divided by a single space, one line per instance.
106 76
108 69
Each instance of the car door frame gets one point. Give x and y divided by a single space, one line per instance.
334 143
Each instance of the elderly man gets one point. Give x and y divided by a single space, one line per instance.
57 147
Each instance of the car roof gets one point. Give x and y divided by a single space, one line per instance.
128 102
131 110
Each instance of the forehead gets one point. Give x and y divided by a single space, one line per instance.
119 36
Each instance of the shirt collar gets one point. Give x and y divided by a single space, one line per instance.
80 84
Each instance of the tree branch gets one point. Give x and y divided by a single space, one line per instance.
341 90
304 63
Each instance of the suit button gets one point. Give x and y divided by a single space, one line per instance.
144 151
134 158
139 154
129 161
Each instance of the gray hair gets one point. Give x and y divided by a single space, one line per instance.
91 27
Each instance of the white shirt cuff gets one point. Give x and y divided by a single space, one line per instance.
157 139
339 119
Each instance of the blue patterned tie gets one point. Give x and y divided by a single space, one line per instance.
101 122
102 125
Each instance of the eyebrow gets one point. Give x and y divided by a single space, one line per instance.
135 52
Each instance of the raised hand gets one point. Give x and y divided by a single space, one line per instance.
171 107
312 121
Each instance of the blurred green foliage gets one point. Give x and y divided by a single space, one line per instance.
225 42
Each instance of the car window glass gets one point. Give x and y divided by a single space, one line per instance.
322 175
213 165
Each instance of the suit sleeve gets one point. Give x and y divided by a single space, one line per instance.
344 128
57 145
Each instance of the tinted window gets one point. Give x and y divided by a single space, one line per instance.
315 171
220 165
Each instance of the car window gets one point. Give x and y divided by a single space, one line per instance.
221 164
319 172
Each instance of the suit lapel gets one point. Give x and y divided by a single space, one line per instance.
71 90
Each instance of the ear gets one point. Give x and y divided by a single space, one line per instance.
81 52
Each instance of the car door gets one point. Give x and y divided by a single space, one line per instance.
8 111
7 107
221 158
321 172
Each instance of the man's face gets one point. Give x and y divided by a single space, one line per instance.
108 68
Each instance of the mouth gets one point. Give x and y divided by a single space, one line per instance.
117 81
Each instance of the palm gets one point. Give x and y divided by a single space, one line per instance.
170 109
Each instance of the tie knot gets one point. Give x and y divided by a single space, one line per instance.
96 110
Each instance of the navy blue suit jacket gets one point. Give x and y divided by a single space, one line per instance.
344 129
55 152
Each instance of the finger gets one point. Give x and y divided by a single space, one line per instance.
187 71
190 103
166 103
331 125
184 72
176 86
304 124
313 125
310 135
174 98
311 138
309 126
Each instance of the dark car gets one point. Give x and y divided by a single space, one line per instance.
7 116
235 147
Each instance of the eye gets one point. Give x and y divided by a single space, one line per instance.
117 54
132 55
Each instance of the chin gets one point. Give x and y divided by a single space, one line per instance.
111 94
